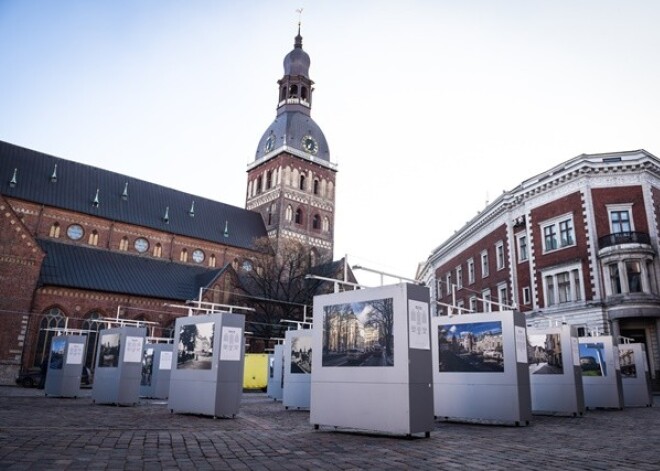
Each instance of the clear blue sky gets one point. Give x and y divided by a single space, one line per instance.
430 107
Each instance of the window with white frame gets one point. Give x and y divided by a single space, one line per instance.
620 219
558 233
440 290
628 276
485 299
473 304
484 264
563 285
499 255
522 247
470 265
459 277
527 296
448 283
502 297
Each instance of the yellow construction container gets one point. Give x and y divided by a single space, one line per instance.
255 373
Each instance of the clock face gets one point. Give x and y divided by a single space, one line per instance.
141 244
310 145
270 143
75 231
198 256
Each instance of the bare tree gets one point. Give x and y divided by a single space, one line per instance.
277 287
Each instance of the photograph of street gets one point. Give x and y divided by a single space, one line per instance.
195 349
57 353
592 359
147 367
474 347
544 354
109 353
627 362
301 355
359 334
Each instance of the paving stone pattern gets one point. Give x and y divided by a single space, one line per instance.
43 433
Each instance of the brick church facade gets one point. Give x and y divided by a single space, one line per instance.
79 243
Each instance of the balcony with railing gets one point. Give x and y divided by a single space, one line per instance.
621 238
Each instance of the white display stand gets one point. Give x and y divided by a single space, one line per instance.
480 369
554 371
601 376
275 387
372 361
118 366
65 365
157 359
297 369
635 375
207 374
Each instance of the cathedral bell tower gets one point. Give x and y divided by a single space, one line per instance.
291 181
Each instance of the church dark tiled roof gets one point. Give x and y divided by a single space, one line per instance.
92 269
52 181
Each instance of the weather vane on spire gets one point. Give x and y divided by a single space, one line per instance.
299 11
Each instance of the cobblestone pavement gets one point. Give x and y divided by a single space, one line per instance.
42 433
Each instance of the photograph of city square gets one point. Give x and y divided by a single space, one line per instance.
359 334
544 354
195 349
109 352
592 359
473 347
301 355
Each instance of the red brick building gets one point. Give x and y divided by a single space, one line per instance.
79 243
578 244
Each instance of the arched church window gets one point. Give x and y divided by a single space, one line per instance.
184 255
158 250
123 243
331 189
301 182
259 183
212 261
93 237
53 318
326 224
293 91
283 94
55 230
288 213
299 216
269 179
303 93
317 186
316 222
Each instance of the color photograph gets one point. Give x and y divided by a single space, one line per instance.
627 362
109 353
57 353
474 347
592 359
195 350
359 334
544 354
301 355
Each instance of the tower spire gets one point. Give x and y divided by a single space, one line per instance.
298 43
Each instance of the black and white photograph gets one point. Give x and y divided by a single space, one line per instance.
544 354
359 334
109 354
147 367
195 349
474 347
57 353
627 362
592 359
301 355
